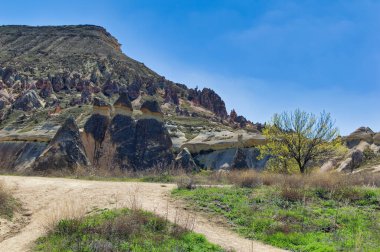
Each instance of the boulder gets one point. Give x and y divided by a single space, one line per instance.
184 160
64 152
354 161
28 101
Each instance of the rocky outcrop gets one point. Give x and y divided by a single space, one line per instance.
226 159
18 156
153 143
123 131
151 110
123 105
361 134
28 101
125 143
219 140
101 107
185 161
65 152
96 130
171 95
208 99
353 161
239 161
358 142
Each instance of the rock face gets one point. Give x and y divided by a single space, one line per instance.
153 144
151 109
126 143
206 141
361 140
123 105
228 159
184 160
361 134
208 99
239 161
19 155
64 152
28 101
123 132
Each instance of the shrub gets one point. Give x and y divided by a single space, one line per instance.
185 182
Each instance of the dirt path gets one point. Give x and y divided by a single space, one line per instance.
42 197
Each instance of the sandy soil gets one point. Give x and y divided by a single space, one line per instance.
45 199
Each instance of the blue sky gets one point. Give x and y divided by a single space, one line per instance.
262 56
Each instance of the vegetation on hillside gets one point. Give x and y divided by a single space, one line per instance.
328 212
122 230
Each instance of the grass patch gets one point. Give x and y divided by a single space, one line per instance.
300 214
8 204
122 230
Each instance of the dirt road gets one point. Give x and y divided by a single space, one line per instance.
43 197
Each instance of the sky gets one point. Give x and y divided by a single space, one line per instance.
261 56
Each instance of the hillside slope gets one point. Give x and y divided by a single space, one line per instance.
50 73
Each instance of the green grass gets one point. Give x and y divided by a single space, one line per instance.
122 230
344 221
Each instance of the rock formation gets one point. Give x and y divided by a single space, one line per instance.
39 73
185 161
239 161
208 99
122 131
361 140
28 101
153 143
65 152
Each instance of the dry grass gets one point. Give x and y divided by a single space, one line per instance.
331 181
7 203
72 209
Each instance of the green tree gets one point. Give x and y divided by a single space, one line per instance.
299 138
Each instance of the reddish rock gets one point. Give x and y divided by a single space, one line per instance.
208 99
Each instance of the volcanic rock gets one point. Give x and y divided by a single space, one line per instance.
361 134
153 144
122 130
239 161
28 101
208 99
64 152
151 109
123 105
101 107
184 160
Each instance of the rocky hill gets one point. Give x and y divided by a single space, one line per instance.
70 99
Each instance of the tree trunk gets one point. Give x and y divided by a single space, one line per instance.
302 169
